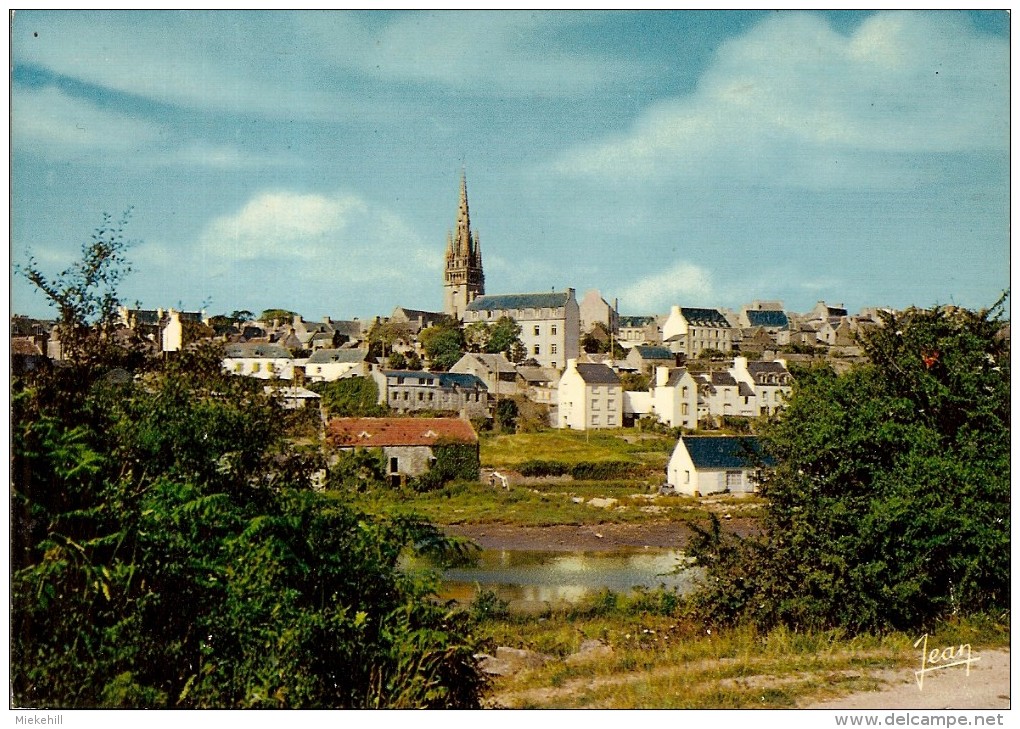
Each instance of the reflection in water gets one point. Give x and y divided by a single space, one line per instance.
531 580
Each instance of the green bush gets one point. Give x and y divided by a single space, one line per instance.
602 470
889 506
538 468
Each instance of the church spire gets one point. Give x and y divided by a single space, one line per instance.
464 280
463 235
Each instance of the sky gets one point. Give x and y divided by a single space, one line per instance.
311 160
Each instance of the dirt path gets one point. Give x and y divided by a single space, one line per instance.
585 538
987 687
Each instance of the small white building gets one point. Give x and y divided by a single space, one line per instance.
327 365
702 465
264 361
590 397
675 397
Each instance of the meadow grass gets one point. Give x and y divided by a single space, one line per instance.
661 660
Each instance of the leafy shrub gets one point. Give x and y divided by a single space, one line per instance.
601 470
889 506
539 468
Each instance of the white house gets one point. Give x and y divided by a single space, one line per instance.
702 465
771 381
261 360
550 323
675 397
590 397
327 365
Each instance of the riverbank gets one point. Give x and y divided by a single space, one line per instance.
588 537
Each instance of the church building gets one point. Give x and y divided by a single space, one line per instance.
464 280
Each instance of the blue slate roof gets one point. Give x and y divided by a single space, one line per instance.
635 321
650 352
725 452
552 300
704 317
770 319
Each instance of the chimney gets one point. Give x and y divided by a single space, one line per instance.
661 376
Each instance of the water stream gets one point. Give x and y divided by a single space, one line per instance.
531 580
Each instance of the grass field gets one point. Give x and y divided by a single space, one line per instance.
653 659
649 450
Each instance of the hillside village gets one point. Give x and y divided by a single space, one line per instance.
565 361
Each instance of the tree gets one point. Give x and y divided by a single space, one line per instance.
168 550
280 315
443 344
85 294
889 503
504 337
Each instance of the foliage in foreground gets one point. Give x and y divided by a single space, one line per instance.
889 507
167 550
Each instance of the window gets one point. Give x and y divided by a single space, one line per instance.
733 479
594 404
552 348
421 397
538 331
687 476
538 349
393 465
552 330
405 394
683 392
256 367
683 409
610 403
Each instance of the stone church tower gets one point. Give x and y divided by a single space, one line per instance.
463 277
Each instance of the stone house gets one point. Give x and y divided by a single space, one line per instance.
596 310
408 391
495 370
644 358
550 323
703 465
590 396
635 330
407 444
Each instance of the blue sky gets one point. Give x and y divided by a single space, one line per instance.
311 160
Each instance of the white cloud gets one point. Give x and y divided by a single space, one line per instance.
684 282
796 102
50 121
339 237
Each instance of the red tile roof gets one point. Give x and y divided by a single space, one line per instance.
379 432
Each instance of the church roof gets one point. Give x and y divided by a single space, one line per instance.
503 302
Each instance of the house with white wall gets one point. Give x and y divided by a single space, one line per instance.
771 381
590 397
328 365
261 360
690 331
674 396
703 465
